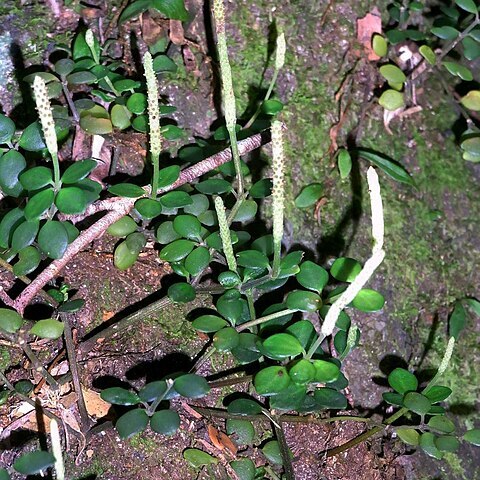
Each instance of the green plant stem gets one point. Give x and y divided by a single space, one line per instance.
155 157
151 409
20 340
208 353
68 98
267 318
314 347
73 365
56 173
366 435
267 96
232 133
298 419
284 452
230 381
251 306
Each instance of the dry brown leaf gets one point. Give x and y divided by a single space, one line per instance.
176 32
368 25
151 30
96 407
220 440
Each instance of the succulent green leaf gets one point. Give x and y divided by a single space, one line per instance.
457 320
166 422
135 242
309 195
24 234
467 5
197 459
49 328
119 396
304 301
272 107
122 227
244 468
177 250
417 403
392 74
302 372
226 339
244 406
78 171
428 54
9 223
345 269
208 323
312 276
447 443
137 103
438 393
427 444
325 372
252 259
28 260
34 462
441 424
445 33
11 166
39 204
471 100
181 293
197 260
134 9
472 436
191 386
393 398
71 200
368 300
281 345
459 70
402 381
271 450
175 199
166 233
391 100
128 190
132 422
53 239
261 189
7 129
409 436
35 178
10 320
163 63
303 331
187 226
328 398
389 166
379 45
271 380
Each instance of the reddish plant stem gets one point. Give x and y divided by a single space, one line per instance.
121 207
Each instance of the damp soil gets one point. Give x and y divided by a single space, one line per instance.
432 244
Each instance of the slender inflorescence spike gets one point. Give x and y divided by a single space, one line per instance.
225 234
57 450
280 52
48 125
371 264
153 119
227 86
278 166
90 41
45 113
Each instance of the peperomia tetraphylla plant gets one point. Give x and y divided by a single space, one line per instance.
424 42
266 301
